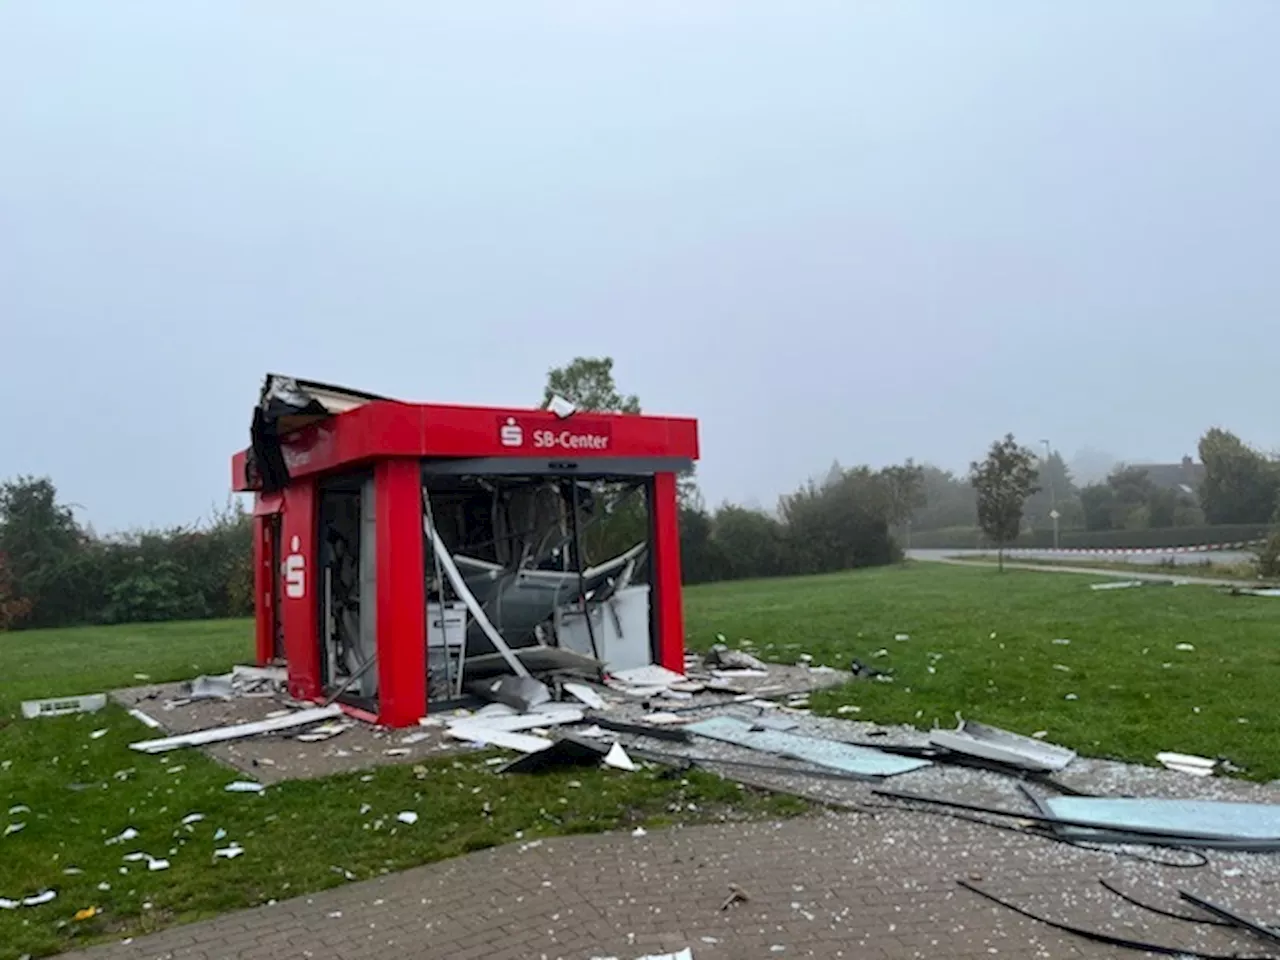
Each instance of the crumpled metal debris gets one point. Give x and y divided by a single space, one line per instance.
722 657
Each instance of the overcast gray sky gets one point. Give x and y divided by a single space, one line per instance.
851 230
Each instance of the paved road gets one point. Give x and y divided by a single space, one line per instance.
1137 559
865 886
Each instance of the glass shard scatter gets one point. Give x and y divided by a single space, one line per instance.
860 761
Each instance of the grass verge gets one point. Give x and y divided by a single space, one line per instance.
83 788
982 643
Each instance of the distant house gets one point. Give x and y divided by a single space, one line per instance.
1184 477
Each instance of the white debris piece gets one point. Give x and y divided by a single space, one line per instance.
1187 763
229 853
1062 642
901 636
98 734
1115 585
584 694
19 808
192 818
127 834
1185 647
40 898
413 738
407 816
143 718
639 832
156 864
13 828
61 706
237 731
619 759
244 786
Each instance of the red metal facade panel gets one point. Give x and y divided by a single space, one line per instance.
390 429
300 606
401 598
667 580
264 599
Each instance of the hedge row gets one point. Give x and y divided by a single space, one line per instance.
972 538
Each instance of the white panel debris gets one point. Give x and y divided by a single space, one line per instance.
992 743
61 706
584 694
237 731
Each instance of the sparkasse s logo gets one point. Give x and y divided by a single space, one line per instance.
511 434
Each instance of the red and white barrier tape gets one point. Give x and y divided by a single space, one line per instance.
1197 548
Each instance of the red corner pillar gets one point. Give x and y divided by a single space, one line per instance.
264 597
665 512
300 606
402 616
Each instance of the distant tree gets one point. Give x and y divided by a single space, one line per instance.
1097 501
904 491
1057 492
949 501
13 608
1004 481
751 543
41 541
588 383
1240 484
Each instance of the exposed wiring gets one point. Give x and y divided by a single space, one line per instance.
1160 910
1107 938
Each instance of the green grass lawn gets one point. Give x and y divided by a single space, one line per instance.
297 837
981 643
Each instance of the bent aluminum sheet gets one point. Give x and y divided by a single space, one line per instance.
1201 822
992 743
861 761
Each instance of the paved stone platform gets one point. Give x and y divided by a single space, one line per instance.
869 886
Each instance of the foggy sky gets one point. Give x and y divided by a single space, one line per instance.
829 230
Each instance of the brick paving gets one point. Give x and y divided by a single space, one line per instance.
868 886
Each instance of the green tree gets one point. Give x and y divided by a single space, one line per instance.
949 501
41 540
1004 481
1240 484
751 543
588 383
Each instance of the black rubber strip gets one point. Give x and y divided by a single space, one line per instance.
1233 918
1173 915
1099 937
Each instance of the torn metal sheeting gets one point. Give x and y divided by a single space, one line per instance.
209 688
568 750
536 660
650 676
522 693
584 694
1197 822
61 706
861 761
1002 746
675 734
554 715
521 742
237 731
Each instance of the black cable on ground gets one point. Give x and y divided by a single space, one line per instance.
1160 910
1099 937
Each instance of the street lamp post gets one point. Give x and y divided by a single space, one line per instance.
1054 515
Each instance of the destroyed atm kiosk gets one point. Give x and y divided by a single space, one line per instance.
405 554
